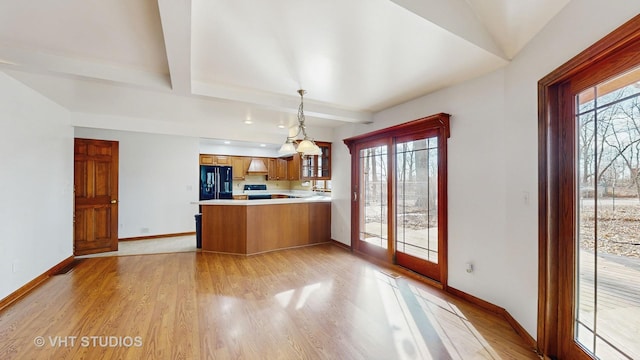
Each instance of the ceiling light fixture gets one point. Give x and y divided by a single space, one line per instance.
306 146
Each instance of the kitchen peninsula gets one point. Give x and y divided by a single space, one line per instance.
255 226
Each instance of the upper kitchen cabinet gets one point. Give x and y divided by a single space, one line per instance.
239 167
293 167
277 169
208 159
317 167
223 160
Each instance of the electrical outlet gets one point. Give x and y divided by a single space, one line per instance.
144 230
15 267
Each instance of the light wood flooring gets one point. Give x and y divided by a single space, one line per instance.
318 302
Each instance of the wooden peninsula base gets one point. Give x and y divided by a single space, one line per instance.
254 229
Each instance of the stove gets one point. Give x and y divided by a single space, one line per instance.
256 192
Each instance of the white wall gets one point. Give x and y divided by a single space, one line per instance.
341 183
36 185
158 180
493 160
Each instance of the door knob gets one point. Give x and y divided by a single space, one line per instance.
114 201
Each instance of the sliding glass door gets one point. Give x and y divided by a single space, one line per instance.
399 195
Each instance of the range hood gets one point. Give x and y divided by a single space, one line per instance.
257 166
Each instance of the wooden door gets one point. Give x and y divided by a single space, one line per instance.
96 196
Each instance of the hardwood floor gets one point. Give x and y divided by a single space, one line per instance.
318 302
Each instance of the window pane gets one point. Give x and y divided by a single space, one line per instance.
373 195
585 311
608 183
417 195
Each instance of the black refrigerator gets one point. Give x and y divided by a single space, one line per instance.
216 182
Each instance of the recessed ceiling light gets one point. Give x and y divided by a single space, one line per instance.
281 126
262 145
248 122
227 142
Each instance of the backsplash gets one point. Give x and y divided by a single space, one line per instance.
238 185
301 185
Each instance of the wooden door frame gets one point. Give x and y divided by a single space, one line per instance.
556 258
439 122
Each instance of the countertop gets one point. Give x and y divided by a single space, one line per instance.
301 197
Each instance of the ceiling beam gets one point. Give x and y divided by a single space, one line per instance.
40 62
457 17
287 104
175 17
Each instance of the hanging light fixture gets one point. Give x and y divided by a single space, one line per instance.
306 146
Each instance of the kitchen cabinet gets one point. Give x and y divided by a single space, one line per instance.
293 167
317 167
273 169
223 160
209 159
206 159
282 169
277 169
238 167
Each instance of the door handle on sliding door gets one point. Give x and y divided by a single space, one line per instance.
355 196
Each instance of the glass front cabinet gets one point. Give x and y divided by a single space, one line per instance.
317 167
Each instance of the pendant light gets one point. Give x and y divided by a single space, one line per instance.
306 146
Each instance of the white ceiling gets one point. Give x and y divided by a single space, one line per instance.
219 61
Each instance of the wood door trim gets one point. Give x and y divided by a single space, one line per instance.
551 255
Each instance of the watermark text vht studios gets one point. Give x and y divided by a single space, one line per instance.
88 341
